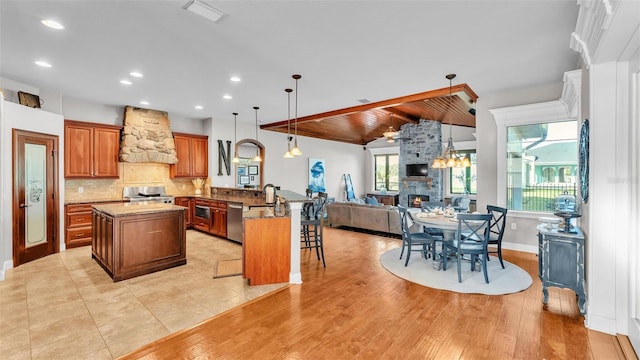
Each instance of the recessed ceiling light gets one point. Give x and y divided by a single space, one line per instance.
199 107
143 102
235 79
125 82
227 97
42 63
135 74
52 24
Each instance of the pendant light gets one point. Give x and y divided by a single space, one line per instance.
391 132
449 157
288 154
257 158
236 159
296 151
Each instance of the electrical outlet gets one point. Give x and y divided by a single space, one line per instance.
80 189
514 226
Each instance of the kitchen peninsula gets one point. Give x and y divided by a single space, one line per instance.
133 239
270 245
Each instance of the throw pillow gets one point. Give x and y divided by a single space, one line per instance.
371 200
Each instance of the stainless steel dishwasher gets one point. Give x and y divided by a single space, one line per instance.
234 221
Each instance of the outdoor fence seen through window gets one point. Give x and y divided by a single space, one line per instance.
542 163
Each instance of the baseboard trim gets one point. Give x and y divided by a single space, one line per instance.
627 348
520 247
6 265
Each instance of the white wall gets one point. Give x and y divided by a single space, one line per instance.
15 116
524 237
290 174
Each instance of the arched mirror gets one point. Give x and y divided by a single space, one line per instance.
249 171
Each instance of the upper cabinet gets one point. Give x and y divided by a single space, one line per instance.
193 156
90 150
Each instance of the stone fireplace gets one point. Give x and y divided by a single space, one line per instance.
423 145
415 200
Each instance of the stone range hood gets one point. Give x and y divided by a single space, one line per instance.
147 137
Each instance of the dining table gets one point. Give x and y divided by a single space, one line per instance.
447 224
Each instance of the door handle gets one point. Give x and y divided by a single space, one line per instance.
24 205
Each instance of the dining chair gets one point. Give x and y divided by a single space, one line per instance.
496 230
474 243
410 239
311 229
427 206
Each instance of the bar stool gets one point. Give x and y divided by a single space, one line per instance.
311 227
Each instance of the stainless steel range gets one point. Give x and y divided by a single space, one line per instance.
147 193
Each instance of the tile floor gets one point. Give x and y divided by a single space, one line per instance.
65 306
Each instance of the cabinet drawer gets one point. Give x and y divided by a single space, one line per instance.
79 233
79 219
79 208
78 237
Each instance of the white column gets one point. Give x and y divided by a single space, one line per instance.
295 277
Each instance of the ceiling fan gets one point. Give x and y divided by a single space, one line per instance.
392 135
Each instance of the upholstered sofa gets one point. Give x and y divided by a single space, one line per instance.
382 218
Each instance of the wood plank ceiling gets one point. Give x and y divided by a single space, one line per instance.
364 123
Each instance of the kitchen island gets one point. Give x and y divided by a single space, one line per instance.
133 239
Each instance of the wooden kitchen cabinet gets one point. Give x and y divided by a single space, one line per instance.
187 202
78 225
90 150
266 250
219 219
128 243
193 156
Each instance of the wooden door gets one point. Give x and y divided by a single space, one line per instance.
199 157
35 202
106 145
78 150
183 152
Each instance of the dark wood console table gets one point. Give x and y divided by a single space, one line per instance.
387 199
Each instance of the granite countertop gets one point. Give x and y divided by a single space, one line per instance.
93 201
143 207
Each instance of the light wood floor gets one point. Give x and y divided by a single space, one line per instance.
356 309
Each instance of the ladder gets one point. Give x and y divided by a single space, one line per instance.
348 187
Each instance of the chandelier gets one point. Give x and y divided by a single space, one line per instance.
449 157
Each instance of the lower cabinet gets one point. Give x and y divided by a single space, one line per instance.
77 224
210 216
219 219
266 250
187 202
561 262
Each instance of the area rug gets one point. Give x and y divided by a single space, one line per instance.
226 268
509 280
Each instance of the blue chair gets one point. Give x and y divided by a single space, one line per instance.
460 204
496 229
427 206
472 237
409 239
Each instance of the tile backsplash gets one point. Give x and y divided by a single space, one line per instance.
131 174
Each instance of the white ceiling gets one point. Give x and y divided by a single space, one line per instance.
345 51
